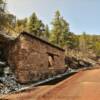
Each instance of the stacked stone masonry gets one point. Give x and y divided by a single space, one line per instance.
28 57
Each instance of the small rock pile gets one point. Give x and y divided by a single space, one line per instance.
75 63
9 84
8 81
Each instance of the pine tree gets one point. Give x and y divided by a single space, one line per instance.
21 25
59 30
83 43
2 5
7 20
46 33
2 17
35 26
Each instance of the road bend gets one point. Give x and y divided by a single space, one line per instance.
84 85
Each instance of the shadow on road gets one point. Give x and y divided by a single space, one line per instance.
55 81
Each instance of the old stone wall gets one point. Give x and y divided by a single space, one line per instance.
28 58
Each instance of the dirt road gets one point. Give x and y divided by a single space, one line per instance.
84 85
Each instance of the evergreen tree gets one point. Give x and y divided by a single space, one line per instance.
97 48
56 30
46 33
71 40
7 21
35 26
82 41
2 16
59 30
2 5
21 25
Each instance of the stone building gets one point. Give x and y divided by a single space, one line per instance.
32 58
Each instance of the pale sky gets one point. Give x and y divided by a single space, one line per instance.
82 15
